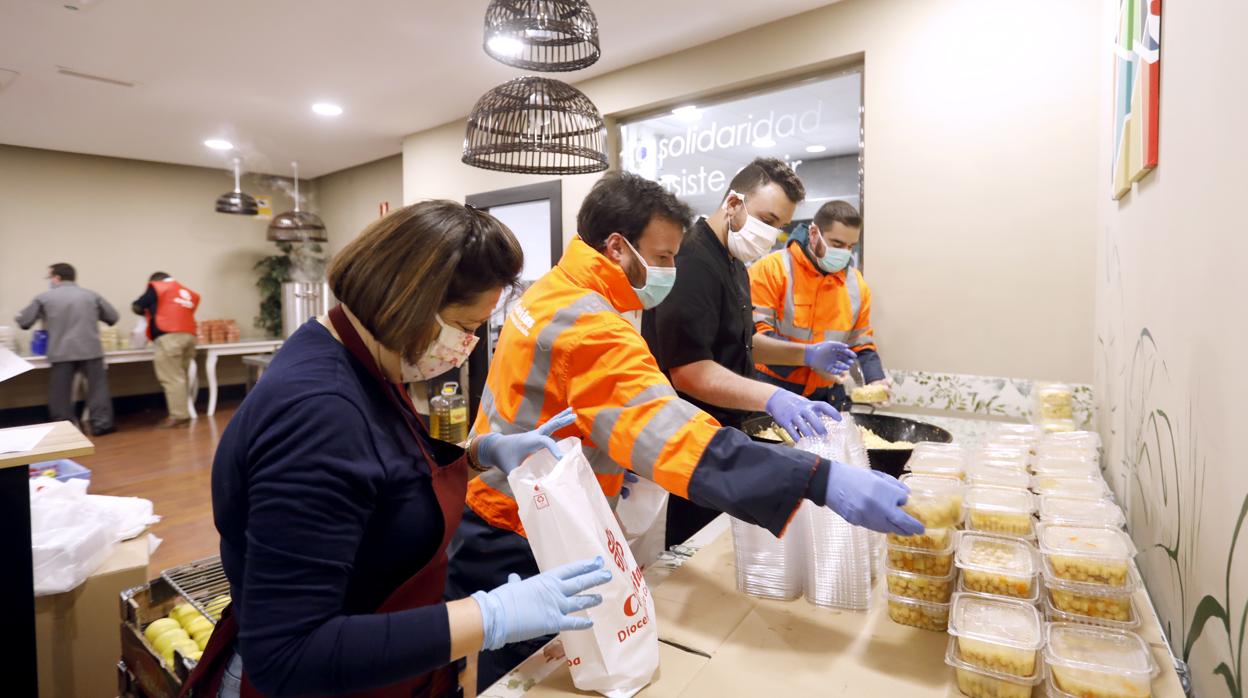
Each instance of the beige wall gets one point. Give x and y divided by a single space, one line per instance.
980 163
1170 338
348 200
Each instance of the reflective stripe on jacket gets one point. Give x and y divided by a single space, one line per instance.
795 301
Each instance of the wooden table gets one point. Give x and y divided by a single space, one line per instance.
212 352
17 581
717 642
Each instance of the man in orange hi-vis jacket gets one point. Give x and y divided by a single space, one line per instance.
567 344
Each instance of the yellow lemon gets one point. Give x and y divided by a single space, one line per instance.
198 624
158 627
202 640
183 612
195 655
168 638
217 605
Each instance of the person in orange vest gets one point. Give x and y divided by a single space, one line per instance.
567 344
170 311
810 295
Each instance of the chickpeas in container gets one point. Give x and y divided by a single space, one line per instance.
1087 555
935 501
997 565
998 635
1001 510
935 539
921 587
1099 663
976 682
1098 604
1092 487
918 614
927 561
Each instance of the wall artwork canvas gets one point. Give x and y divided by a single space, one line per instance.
1137 82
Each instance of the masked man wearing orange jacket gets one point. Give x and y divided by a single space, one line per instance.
566 343
809 294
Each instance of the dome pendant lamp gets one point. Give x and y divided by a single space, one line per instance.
296 225
549 36
236 202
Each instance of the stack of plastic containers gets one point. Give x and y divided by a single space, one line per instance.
919 569
1000 567
1002 510
995 648
1089 575
770 567
1072 511
1053 406
1087 661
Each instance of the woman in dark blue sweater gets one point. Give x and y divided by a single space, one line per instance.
335 505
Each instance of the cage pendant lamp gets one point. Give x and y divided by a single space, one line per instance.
296 225
534 125
550 36
237 202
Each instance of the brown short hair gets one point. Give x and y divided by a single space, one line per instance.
764 171
625 203
841 212
404 268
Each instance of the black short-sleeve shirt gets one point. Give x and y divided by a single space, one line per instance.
707 315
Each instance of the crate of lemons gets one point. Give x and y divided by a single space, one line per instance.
184 630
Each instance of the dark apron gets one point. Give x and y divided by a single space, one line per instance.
425 588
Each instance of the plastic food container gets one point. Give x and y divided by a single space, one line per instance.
1030 431
982 683
935 501
937 464
919 614
1071 487
1069 511
1054 401
1034 599
1066 466
998 566
1002 636
932 539
1092 600
1099 663
1056 615
988 474
933 563
1086 554
920 587
1059 426
999 510
1089 439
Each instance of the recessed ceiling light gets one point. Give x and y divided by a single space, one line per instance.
687 113
505 45
816 148
327 109
219 144
764 142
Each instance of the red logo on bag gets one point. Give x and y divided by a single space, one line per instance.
632 605
617 550
540 501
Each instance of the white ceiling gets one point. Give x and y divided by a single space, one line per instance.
249 71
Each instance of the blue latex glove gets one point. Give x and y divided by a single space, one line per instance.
830 357
629 478
523 609
799 416
507 452
870 499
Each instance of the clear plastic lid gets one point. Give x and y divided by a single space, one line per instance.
991 475
1054 445
1087 439
1071 511
928 607
950 542
1015 624
953 660
1071 487
1093 589
1067 466
933 485
997 555
939 447
949 464
1121 654
999 499
1086 541
1013 429
893 571
1055 615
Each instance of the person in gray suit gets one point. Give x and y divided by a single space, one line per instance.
71 316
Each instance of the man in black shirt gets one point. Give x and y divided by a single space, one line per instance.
703 333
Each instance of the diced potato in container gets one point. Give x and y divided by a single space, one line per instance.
920 586
919 614
982 683
998 635
1099 663
1087 554
996 565
1002 510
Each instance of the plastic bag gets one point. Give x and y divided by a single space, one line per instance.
643 517
567 518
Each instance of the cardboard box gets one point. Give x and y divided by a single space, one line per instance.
77 632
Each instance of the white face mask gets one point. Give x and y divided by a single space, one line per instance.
450 350
754 239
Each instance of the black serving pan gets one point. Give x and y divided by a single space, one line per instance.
888 460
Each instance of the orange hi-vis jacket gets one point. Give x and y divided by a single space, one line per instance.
175 308
566 344
796 301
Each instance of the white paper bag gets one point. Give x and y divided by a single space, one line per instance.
643 517
567 518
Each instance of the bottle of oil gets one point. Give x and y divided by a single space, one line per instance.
448 415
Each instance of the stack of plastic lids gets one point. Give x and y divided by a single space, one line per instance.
770 567
856 451
840 557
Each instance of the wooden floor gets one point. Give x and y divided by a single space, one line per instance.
171 467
